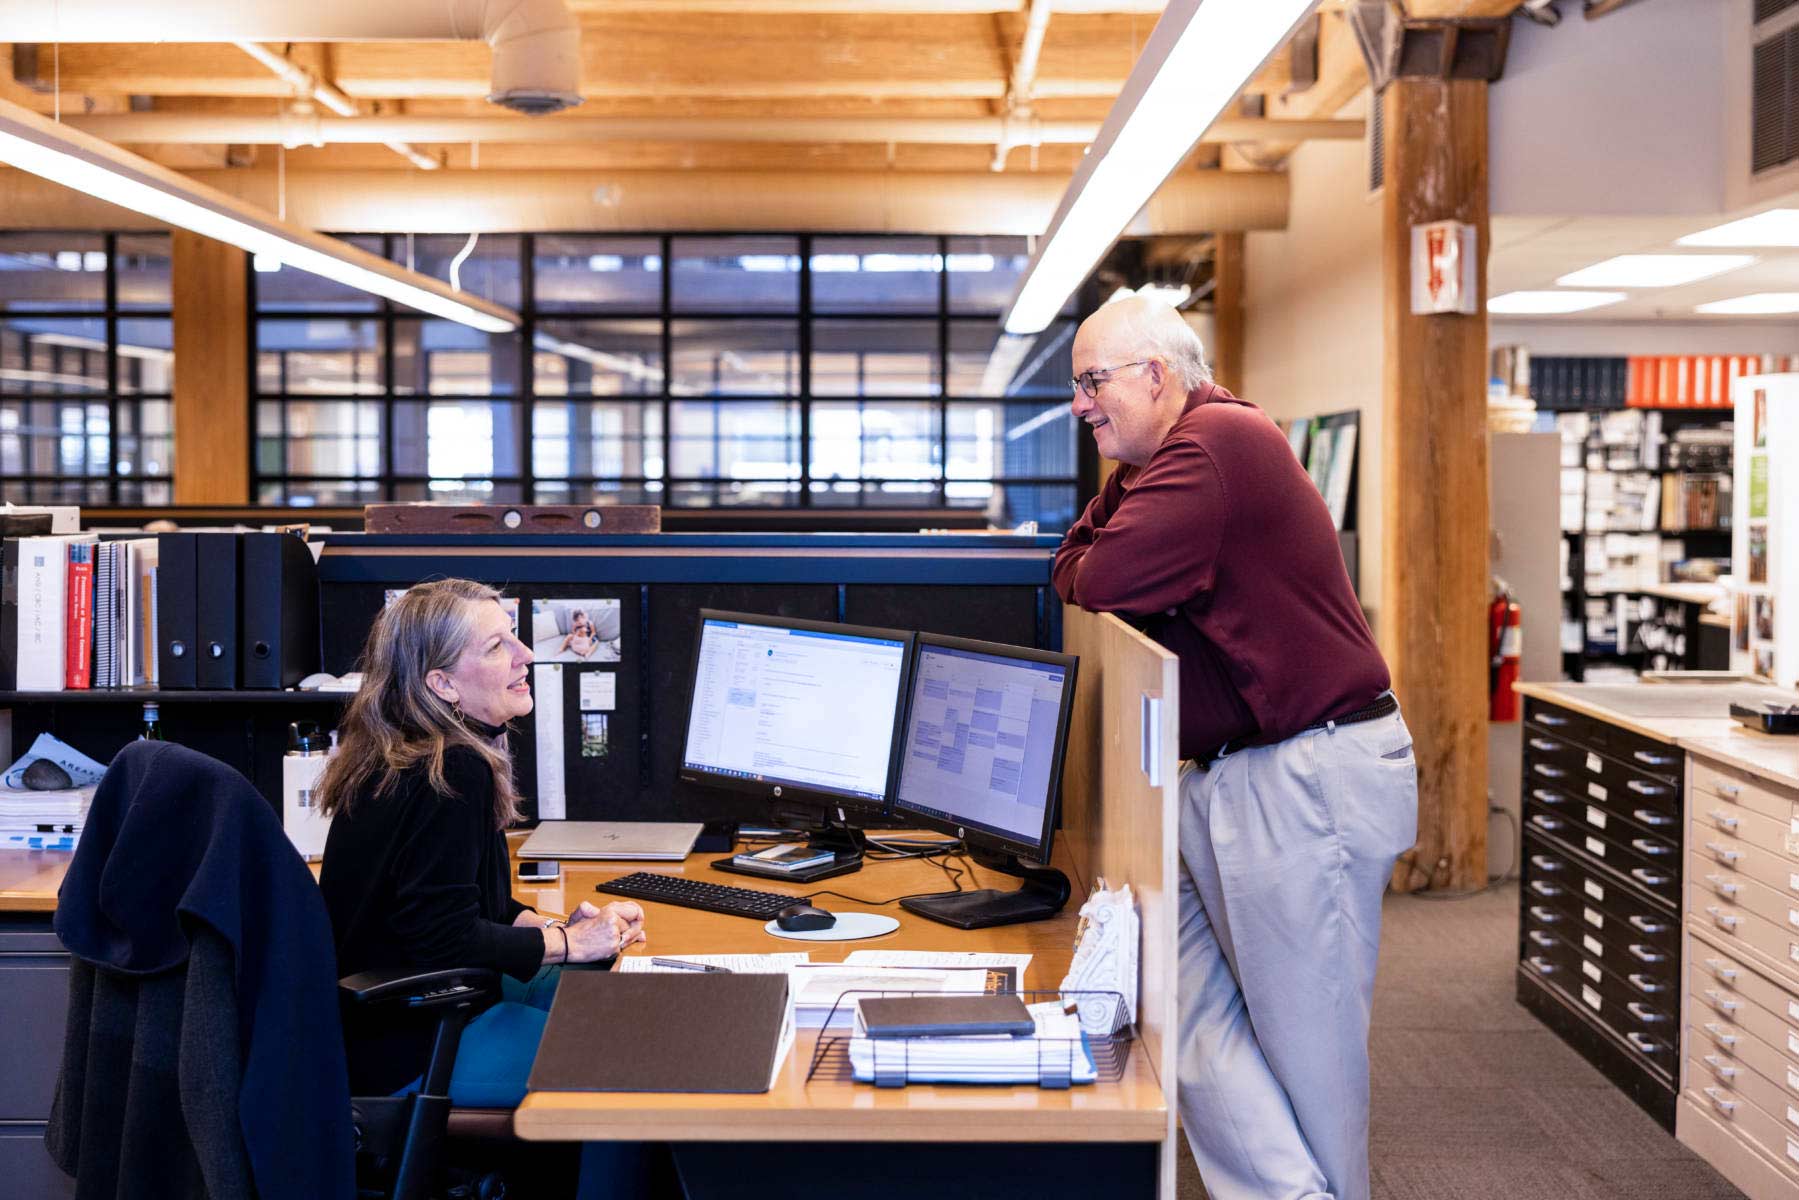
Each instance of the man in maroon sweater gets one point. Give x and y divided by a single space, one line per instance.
1302 790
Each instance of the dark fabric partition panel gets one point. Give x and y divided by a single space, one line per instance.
990 614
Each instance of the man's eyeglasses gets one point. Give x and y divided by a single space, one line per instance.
1089 381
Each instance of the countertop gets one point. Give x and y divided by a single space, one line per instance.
1720 739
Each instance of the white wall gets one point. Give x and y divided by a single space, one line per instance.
1599 338
1313 338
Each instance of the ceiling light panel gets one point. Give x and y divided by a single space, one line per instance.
1776 227
1760 304
1654 270
1550 302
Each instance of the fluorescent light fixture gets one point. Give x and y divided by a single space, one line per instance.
1196 60
1760 304
1551 302
1653 270
1776 227
86 164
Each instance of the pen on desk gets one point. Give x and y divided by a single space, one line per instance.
683 965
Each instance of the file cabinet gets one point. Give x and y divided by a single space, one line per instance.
1599 936
1739 1099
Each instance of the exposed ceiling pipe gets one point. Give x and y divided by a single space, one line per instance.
1024 78
313 129
332 97
536 43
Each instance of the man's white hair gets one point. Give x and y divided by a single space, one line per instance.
1156 330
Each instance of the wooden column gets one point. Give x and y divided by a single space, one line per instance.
212 372
1227 311
1434 481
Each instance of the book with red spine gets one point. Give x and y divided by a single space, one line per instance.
78 642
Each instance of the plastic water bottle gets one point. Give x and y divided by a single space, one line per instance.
152 723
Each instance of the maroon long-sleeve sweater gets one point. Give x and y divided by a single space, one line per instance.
1222 542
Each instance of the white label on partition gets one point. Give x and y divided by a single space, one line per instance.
1596 792
1592 889
1594 764
1590 996
1590 971
1592 944
599 691
1595 846
1594 917
1595 817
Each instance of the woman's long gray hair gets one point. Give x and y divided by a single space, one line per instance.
395 720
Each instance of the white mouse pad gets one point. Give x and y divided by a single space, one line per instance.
849 927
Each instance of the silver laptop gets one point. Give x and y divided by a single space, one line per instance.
660 840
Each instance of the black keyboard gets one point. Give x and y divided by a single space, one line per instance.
691 893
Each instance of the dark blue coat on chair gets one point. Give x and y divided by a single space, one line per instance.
187 904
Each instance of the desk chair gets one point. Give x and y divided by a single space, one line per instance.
202 976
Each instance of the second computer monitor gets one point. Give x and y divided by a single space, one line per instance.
983 745
803 712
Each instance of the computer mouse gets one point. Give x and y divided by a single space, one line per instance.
798 917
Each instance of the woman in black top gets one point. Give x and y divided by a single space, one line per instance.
416 871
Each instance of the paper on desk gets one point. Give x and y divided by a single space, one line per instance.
742 964
1056 1047
817 987
936 958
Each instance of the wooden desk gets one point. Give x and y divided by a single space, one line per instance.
29 879
1131 1110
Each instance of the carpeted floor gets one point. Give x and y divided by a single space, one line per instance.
1474 1099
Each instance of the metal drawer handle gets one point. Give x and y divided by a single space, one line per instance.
1719 1067
1649 847
1717 1001
1546 915
1544 863
1722 886
1645 789
1727 1107
1542 939
1649 877
1548 772
1723 918
1645 984
1551 721
1644 954
1543 965
1651 818
1544 889
1727 974
1727 789
1641 1042
1723 819
1646 1015
1648 926
1543 822
1546 795
1544 744
1654 760
1723 853
1717 1034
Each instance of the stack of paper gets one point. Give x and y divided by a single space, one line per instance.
1057 1049
43 820
818 988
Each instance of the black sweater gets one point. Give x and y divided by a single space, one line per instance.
419 878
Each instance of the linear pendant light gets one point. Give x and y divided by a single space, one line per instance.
1197 59
100 169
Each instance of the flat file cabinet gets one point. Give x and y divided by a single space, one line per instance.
1739 1098
1599 939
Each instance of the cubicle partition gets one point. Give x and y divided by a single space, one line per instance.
1120 813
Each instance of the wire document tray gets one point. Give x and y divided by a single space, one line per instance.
1052 1062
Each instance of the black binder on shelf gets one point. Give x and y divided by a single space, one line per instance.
701 1031
279 620
216 581
177 615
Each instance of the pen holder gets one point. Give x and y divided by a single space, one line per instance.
845 1055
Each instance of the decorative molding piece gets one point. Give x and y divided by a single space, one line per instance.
1395 46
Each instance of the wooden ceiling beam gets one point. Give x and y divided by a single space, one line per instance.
1459 10
1341 77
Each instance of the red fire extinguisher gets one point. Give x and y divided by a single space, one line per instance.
1505 639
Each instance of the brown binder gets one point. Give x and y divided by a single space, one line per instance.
688 1032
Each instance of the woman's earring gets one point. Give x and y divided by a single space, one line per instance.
456 707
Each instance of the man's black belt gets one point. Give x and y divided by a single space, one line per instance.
1380 706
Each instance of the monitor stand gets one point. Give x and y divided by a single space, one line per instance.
1045 891
844 843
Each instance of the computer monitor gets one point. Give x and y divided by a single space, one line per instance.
986 729
801 714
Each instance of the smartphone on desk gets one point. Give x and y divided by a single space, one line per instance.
539 870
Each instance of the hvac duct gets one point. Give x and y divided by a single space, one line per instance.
536 43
